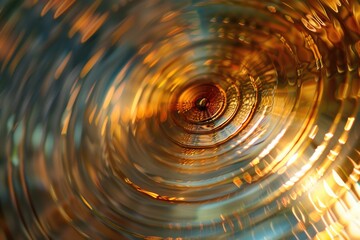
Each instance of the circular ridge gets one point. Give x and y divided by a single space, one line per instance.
179 119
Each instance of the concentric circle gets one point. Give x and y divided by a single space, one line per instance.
179 119
200 104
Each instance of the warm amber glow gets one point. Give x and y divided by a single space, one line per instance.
169 119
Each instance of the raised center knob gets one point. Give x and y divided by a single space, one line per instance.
201 103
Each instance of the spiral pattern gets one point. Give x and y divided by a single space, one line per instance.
166 119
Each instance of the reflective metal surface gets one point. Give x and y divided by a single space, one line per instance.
167 119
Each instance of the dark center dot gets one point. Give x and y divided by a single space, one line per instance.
201 103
